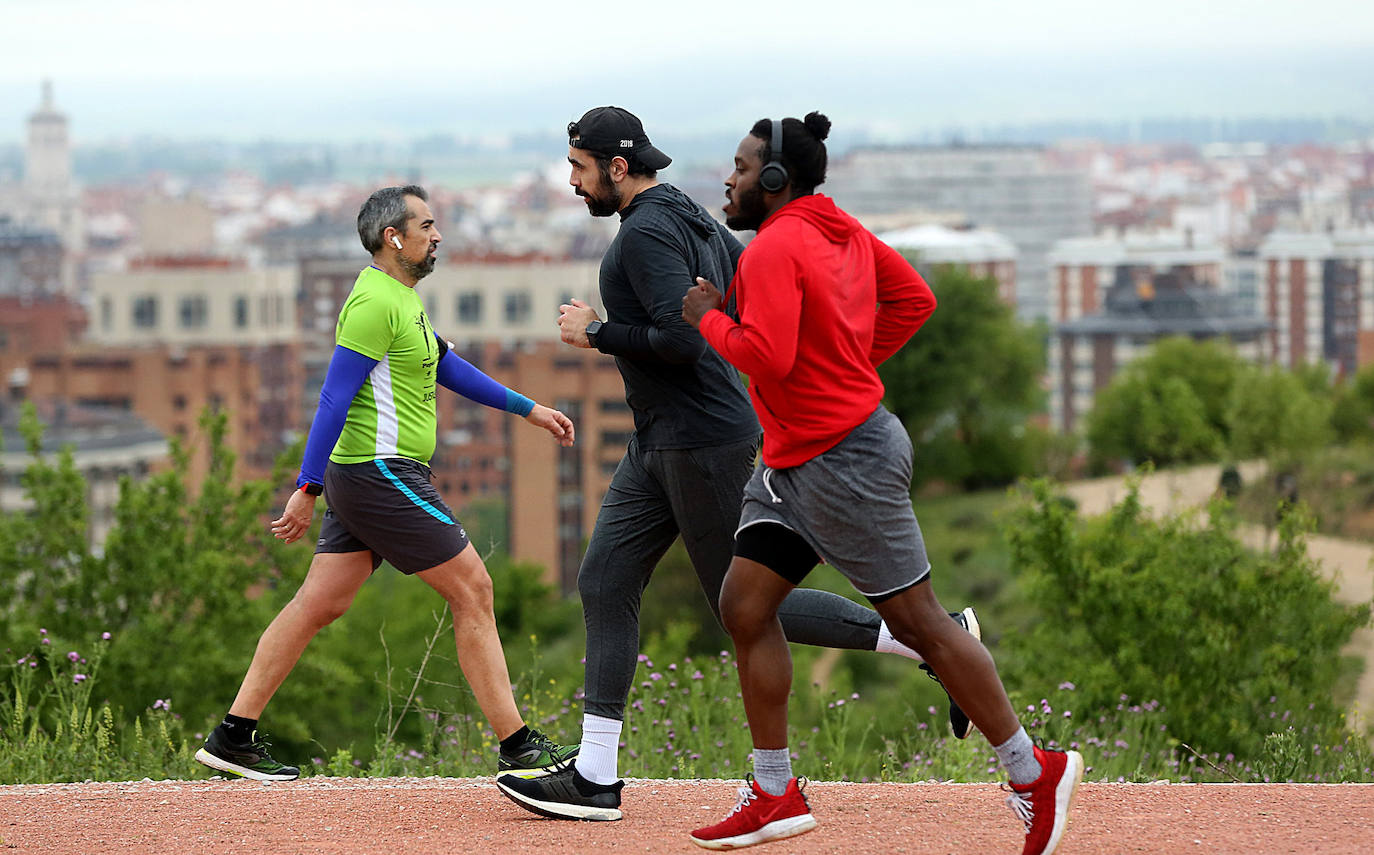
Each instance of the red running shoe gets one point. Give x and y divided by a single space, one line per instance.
759 818
1043 805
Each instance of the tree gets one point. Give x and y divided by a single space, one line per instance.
1169 406
1277 415
185 583
1353 413
967 384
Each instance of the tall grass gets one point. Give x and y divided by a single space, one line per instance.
684 720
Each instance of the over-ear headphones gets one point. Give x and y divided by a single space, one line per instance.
397 241
773 177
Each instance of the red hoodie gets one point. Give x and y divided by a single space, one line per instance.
821 303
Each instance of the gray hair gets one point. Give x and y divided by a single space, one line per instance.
386 209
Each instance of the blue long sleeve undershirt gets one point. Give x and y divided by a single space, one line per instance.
348 369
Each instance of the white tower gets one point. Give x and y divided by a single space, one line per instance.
48 167
51 198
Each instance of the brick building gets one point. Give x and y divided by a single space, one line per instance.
1113 299
1318 289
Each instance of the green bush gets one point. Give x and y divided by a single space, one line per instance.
1180 612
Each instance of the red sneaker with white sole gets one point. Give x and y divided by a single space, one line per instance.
759 818
1043 805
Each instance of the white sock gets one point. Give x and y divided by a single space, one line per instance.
1017 756
596 760
772 769
888 644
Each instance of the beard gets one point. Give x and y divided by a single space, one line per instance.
750 210
418 269
599 205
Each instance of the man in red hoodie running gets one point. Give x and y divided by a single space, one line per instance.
821 302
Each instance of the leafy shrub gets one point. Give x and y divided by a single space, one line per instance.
1182 613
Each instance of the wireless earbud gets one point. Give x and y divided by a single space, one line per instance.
396 241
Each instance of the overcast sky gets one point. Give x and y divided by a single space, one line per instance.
342 70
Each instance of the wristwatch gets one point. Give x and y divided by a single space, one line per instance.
312 489
593 329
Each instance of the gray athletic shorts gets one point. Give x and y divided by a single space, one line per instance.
390 507
852 504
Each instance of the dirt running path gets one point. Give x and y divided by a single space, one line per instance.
1349 563
452 816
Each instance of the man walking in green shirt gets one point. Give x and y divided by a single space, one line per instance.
368 452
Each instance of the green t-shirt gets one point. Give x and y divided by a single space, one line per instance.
393 414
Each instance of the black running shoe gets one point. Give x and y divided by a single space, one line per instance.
563 794
538 755
958 722
247 760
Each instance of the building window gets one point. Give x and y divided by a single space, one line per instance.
106 313
240 312
470 308
518 307
145 312
192 312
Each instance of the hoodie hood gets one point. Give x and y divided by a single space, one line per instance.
679 203
820 211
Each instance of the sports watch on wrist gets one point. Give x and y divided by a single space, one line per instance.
592 329
312 489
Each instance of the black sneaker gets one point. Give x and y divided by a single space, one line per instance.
247 759
538 755
958 722
563 794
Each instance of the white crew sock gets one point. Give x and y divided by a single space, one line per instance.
888 644
596 760
1017 756
772 769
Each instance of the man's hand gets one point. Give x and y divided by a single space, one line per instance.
295 520
552 421
572 323
699 299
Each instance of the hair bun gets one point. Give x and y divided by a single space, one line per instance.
818 125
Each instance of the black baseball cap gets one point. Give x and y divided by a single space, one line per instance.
615 131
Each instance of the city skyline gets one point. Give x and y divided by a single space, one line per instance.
887 70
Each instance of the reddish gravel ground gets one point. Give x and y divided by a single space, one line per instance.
408 816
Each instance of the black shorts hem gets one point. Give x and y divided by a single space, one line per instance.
778 548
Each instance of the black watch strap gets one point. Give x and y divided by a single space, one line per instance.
312 489
593 329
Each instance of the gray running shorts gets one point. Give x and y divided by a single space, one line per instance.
390 507
852 504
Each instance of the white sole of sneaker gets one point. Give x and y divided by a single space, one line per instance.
1063 798
971 623
206 758
776 830
560 810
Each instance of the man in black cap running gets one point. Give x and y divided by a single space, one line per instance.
686 465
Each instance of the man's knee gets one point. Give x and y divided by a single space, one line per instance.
474 592
320 611
744 616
